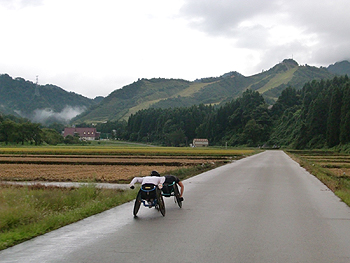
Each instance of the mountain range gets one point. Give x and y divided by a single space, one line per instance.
166 93
49 103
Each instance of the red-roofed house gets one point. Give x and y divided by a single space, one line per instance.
87 134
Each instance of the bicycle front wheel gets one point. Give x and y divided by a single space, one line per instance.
137 204
161 203
177 196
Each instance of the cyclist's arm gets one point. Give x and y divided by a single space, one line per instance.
136 180
161 181
182 188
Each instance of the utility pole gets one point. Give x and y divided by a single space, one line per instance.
37 93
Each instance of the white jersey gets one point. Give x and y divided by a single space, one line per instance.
156 180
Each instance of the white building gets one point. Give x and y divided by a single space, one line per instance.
200 142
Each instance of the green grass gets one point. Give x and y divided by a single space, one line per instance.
26 212
279 79
193 88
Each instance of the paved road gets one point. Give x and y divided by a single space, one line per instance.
263 208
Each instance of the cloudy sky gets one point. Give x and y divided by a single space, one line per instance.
95 47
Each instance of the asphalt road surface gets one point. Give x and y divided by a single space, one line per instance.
264 208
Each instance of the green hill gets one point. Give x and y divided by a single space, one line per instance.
340 68
170 93
39 103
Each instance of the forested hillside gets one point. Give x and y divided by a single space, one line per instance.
316 116
245 120
47 104
131 98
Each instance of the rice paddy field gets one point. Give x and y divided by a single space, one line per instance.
103 163
332 168
337 164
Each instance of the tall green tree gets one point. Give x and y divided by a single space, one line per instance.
8 131
35 133
316 121
24 132
288 98
51 136
252 133
344 135
334 117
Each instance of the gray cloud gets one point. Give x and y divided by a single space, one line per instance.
323 26
222 17
252 37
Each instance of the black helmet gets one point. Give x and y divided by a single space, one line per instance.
155 173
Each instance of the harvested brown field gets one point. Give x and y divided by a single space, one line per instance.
335 163
82 168
339 172
331 168
101 164
76 173
109 160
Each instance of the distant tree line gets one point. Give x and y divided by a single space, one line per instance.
15 130
22 131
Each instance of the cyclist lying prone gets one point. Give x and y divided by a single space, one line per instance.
152 180
170 179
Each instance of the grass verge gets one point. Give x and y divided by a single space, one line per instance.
340 185
30 211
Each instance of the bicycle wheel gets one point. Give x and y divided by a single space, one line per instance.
161 203
137 204
177 196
